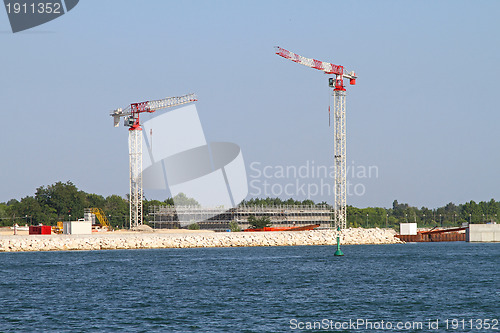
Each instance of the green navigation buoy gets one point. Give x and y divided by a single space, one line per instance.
339 251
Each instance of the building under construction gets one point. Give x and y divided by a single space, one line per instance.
218 219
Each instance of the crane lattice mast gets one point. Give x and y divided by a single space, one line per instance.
131 119
339 133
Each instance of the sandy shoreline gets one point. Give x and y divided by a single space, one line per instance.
191 239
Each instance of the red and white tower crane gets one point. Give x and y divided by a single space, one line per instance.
131 119
339 133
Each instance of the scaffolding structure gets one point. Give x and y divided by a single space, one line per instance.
219 218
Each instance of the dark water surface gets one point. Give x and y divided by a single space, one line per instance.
273 289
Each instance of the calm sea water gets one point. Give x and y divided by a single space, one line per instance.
274 289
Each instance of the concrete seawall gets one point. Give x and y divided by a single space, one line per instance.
130 240
483 233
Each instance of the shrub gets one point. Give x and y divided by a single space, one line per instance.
234 227
194 226
259 223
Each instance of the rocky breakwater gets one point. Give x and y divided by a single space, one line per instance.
135 240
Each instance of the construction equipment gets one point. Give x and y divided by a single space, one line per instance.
339 134
99 214
131 119
59 228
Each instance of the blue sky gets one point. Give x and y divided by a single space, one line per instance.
424 111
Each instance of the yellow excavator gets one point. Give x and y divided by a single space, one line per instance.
103 220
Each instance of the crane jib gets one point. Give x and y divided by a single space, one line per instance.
152 106
326 67
318 64
140 107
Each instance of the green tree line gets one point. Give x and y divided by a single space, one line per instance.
450 215
63 201
277 202
447 216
